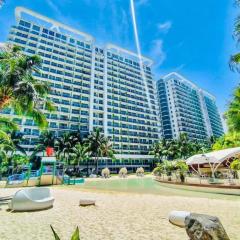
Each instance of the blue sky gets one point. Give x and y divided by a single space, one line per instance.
193 38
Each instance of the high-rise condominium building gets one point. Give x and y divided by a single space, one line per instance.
91 86
185 108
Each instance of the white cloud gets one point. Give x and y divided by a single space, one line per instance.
179 68
53 7
157 53
142 2
165 27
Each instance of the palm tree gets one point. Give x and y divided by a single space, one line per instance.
81 153
95 143
155 150
184 146
16 139
107 150
233 113
46 139
19 89
77 136
171 150
159 150
235 59
64 146
6 125
5 147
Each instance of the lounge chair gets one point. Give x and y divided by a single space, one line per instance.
178 218
31 199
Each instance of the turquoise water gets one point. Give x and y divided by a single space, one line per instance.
150 186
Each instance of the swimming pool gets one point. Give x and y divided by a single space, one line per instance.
147 185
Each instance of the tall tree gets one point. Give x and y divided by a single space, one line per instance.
64 146
233 113
107 149
81 153
19 89
95 142
17 139
46 139
6 125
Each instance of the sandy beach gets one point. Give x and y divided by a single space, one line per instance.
117 216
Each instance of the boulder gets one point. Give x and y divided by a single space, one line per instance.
204 227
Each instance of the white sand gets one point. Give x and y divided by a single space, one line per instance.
117 216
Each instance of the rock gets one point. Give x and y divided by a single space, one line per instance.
86 202
204 227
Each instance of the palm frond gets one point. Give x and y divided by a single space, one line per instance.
7 124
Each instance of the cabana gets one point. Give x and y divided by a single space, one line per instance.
215 161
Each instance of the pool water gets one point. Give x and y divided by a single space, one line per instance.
148 185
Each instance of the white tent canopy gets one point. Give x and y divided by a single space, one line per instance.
213 159
216 157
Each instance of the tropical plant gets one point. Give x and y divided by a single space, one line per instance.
159 150
77 137
96 142
235 165
81 153
235 59
233 113
229 140
64 146
106 173
107 150
17 139
75 236
6 125
123 172
5 147
168 167
45 140
182 168
182 147
19 90
158 171
17 161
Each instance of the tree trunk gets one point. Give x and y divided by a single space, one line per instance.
4 101
96 159
87 168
